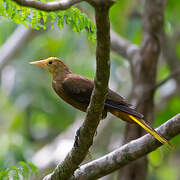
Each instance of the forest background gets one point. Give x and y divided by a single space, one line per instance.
34 121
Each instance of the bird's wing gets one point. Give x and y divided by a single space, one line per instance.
115 97
116 102
119 106
78 88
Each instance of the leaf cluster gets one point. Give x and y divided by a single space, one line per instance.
22 171
38 19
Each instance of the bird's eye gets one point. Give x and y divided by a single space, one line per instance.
50 62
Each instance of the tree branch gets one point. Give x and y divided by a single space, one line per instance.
49 6
169 45
45 160
10 48
169 53
123 47
86 132
172 75
127 153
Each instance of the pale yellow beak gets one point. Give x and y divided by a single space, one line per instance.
41 63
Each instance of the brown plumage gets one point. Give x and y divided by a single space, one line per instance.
76 90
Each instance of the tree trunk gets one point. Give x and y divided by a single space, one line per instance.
143 69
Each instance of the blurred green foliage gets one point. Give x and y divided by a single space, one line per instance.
23 170
31 114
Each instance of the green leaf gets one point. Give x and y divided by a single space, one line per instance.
60 22
33 168
13 172
24 169
4 175
52 18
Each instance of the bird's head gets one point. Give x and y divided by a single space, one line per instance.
54 65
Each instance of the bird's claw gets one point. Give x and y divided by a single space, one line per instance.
104 114
76 144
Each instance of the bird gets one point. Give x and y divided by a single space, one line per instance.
76 90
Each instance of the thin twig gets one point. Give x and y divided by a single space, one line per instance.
49 6
171 76
169 53
123 47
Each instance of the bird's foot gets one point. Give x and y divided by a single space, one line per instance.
104 115
76 144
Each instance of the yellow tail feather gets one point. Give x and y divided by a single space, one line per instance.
151 131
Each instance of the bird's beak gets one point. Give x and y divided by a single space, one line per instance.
41 63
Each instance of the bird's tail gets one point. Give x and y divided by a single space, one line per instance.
150 130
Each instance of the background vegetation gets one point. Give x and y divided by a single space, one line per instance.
31 114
